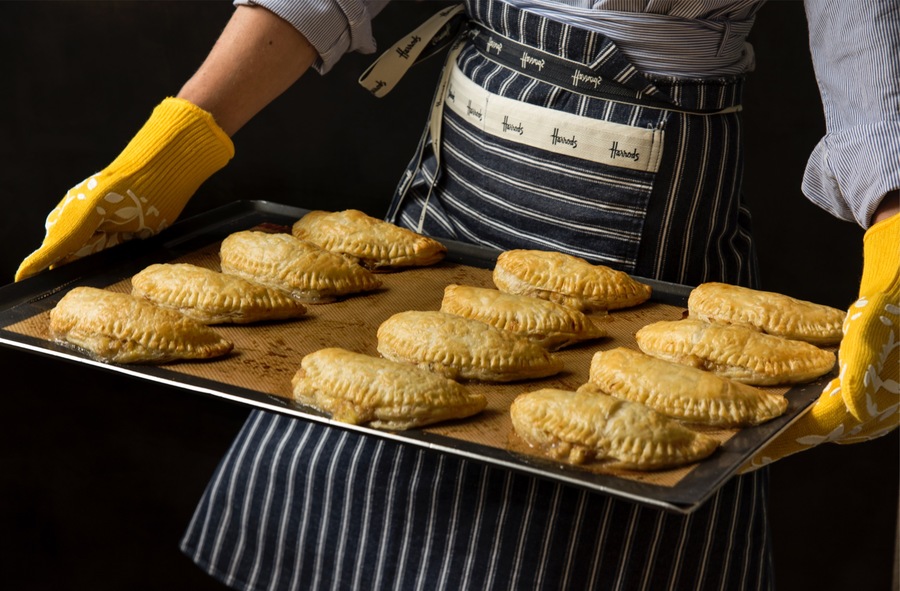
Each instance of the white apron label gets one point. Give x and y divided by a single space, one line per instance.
608 143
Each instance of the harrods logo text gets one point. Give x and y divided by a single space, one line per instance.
441 35
527 59
558 139
507 126
615 152
404 51
498 47
577 77
473 111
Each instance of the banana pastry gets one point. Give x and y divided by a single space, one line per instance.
211 297
680 391
120 328
306 271
461 348
375 244
567 280
769 312
546 323
581 427
736 352
365 390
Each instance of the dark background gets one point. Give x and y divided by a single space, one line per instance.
99 474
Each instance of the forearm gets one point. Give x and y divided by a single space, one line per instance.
256 58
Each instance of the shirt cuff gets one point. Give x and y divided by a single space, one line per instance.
850 171
333 27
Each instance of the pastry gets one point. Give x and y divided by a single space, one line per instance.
546 323
306 271
365 390
680 391
462 348
766 311
736 352
567 280
120 328
580 427
376 244
211 297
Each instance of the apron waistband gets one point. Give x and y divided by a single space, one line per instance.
547 67
582 62
576 45
583 78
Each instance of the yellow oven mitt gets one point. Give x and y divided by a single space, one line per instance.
141 192
862 403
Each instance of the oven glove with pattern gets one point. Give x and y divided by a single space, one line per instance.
141 192
862 403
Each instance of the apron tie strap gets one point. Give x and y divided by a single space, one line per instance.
391 66
385 72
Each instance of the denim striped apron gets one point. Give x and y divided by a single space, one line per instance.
300 505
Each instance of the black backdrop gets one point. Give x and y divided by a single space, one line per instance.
99 475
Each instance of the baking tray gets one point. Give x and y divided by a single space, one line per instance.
266 356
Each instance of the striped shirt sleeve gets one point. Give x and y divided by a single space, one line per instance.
854 50
333 27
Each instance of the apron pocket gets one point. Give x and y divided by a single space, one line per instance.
516 174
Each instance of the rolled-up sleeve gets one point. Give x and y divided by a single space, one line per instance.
333 27
857 64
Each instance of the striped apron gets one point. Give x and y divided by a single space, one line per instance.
300 505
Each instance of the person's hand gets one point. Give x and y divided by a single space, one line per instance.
141 192
863 402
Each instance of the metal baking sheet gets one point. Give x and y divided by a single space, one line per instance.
266 356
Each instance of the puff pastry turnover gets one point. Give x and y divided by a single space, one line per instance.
211 297
567 280
120 328
546 323
580 427
769 312
376 244
681 392
461 348
362 389
304 270
736 352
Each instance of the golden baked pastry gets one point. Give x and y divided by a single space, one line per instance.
736 352
365 390
766 311
551 325
306 271
567 280
580 427
376 244
680 391
211 297
120 328
461 348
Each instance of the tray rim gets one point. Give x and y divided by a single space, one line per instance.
19 301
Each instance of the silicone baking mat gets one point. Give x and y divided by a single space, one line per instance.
266 355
